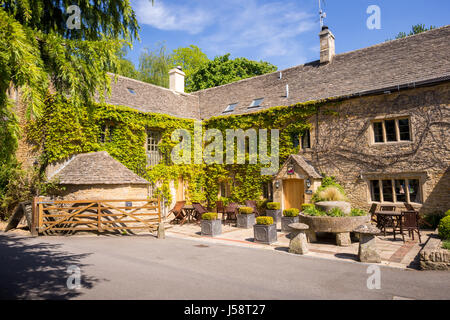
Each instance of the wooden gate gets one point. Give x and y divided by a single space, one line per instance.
56 217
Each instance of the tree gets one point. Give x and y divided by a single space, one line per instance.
37 47
189 58
223 70
418 28
154 66
126 67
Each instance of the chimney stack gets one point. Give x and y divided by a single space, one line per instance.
176 79
327 49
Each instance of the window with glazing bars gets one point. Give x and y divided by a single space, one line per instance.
153 153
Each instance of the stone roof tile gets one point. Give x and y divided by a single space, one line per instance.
96 168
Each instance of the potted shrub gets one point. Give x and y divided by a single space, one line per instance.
245 218
289 216
211 226
274 210
265 230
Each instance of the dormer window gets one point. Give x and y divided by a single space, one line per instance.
131 91
231 107
256 103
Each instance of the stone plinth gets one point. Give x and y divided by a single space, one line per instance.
298 243
368 251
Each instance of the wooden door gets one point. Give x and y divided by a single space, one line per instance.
294 193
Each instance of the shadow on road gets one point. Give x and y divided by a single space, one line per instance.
37 271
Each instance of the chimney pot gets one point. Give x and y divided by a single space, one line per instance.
176 79
327 46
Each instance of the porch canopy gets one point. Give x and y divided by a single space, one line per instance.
295 182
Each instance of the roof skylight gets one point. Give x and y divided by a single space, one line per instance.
231 107
131 91
256 103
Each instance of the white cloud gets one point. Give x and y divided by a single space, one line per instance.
172 17
267 30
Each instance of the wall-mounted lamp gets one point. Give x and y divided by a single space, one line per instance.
308 183
277 184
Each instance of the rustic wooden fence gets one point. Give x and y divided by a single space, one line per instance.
67 217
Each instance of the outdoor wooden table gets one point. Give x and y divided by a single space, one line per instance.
388 219
189 210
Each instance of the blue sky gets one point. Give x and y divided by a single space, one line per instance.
283 32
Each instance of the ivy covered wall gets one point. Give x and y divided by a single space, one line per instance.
64 130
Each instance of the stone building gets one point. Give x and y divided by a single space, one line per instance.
96 176
386 141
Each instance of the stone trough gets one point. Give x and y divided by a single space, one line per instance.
341 226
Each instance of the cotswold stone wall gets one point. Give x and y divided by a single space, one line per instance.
26 152
342 144
103 192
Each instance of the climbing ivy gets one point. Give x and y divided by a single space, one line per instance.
64 130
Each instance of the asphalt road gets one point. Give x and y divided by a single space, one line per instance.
143 267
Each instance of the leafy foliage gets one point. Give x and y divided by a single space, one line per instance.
444 228
209 216
313 211
273 205
264 220
223 70
325 192
416 29
190 59
245 210
358 212
154 66
293 212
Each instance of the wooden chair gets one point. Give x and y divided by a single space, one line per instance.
386 222
422 221
230 212
410 222
178 212
220 208
252 204
200 210
373 216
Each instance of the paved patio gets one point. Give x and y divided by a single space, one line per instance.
394 253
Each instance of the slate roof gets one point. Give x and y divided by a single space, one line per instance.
303 164
147 97
409 60
96 168
389 65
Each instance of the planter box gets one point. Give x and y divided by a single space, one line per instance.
211 227
286 221
246 221
265 233
275 214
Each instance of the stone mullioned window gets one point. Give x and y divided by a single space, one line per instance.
391 130
396 190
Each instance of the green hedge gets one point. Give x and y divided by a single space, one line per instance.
444 228
209 216
273 205
264 220
245 210
293 212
